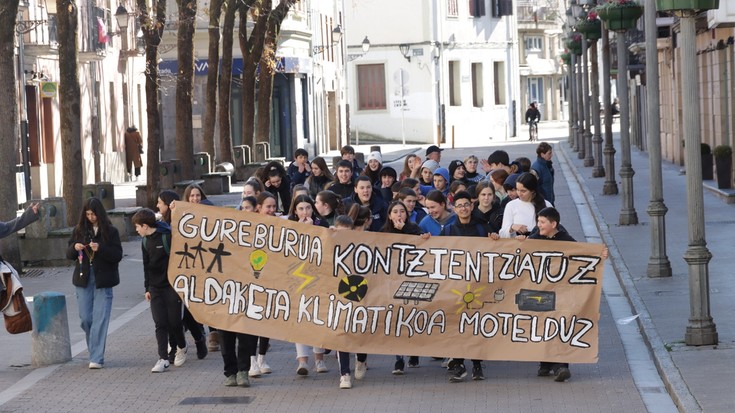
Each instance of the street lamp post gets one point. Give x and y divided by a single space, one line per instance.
598 171
701 329
658 262
610 187
573 101
587 135
628 216
580 107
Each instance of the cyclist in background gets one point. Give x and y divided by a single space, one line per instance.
533 116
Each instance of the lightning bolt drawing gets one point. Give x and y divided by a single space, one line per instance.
307 278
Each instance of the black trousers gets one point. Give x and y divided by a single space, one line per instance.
166 309
236 349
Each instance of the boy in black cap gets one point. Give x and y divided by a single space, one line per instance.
434 152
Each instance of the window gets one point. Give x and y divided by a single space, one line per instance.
499 81
478 97
452 8
501 8
536 89
371 87
477 8
534 44
455 98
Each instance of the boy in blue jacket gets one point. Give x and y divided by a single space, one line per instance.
166 305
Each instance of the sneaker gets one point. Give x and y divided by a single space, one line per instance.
445 363
254 368
242 379
398 368
161 366
231 381
263 366
452 364
345 382
543 371
477 373
360 369
459 373
94 366
413 362
562 374
303 369
213 341
201 348
321 366
180 356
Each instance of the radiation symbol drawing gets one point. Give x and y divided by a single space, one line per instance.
353 287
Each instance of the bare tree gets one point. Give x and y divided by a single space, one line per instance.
251 48
210 99
225 90
10 132
70 108
268 69
152 27
185 87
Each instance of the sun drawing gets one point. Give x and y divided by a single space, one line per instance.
467 298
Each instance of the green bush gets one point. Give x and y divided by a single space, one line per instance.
722 151
706 149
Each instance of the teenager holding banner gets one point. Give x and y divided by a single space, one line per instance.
487 209
266 205
399 223
302 210
519 217
466 226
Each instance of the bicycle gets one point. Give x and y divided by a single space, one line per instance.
533 131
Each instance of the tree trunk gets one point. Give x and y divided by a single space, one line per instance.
152 33
210 100
267 70
225 90
9 135
252 48
185 88
70 109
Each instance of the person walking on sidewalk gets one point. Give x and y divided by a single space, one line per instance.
195 328
133 149
466 226
96 248
166 305
544 169
548 228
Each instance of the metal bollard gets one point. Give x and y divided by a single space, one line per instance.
50 336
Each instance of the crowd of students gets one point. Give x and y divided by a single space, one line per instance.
491 198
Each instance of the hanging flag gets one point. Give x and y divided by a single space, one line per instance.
102 31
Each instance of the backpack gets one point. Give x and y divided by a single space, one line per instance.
166 245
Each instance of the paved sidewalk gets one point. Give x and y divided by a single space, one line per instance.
699 378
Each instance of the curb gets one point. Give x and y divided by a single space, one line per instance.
667 369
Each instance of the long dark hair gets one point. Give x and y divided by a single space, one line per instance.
529 181
388 227
359 214
299 199
168 196
84 231
333 200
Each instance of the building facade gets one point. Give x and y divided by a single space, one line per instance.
436 72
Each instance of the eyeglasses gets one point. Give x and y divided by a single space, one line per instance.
462 206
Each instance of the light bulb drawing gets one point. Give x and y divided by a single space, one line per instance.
258 259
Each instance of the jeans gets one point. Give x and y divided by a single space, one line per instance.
343 359
95 305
